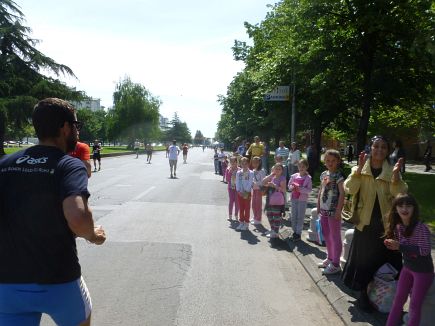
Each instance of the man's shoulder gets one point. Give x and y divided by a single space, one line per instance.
83 146
67 162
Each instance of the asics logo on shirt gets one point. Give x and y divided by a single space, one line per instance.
31 160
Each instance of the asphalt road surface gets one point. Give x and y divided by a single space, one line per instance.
172 258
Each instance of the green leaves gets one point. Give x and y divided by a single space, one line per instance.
135 114
349 58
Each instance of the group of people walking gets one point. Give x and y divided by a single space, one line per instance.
387 224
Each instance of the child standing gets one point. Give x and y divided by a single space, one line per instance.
412 238
216 161
244 182
300 185
230 174
280 160
275 202
224 169
257 197
329 204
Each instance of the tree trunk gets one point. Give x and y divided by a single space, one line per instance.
368 48
317 140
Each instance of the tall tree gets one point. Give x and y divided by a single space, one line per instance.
199 138
179 131
348 59
20 70
136 112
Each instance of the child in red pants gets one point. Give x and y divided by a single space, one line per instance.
244 182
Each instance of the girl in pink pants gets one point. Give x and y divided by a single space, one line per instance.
412 238
329 205
257 198
230 176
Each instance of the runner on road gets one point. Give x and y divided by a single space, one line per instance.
185 150
43 208
96 155
149 150
137 147
83 153
173 152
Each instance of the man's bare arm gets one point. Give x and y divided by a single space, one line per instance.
79 218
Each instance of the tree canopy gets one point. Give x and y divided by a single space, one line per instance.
352 61
179 131
135 114
199 138
22 82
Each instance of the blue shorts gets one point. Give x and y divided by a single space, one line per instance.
67 304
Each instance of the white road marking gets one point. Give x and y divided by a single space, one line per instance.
143 194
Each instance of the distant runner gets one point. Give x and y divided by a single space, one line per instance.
149 150
96 155
137 147
173 152
83 153
185 150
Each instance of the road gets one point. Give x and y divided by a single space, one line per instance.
172 258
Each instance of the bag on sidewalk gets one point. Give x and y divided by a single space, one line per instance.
284 232
382 289
319 235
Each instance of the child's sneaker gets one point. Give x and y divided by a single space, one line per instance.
230 218
324 263
331 269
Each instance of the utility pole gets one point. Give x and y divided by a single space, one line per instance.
293 119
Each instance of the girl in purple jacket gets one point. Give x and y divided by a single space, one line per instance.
412 238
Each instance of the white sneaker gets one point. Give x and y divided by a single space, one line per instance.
324 263
240 226
230 218
272 234
331 269
256 222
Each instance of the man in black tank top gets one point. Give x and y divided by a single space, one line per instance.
43 208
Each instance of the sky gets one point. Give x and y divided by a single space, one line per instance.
179 50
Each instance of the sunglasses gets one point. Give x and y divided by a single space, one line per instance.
77 124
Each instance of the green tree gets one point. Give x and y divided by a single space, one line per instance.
94 126
348 59
135 114
179 131
199 138
21 80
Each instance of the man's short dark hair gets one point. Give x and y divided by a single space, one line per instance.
49 115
